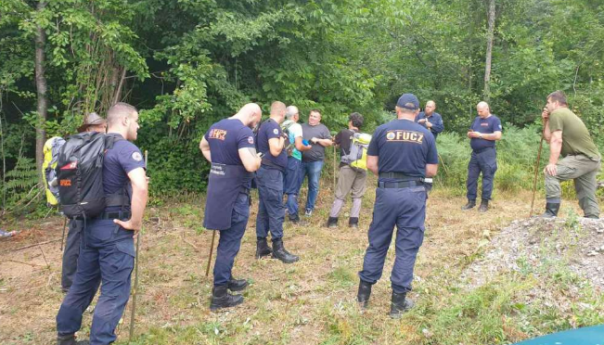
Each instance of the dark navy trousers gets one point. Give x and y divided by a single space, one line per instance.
404 208
484 162
106 259
71 253
271 211
230 240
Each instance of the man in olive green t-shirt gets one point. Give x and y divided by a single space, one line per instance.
568 136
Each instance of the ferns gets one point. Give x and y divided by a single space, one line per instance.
21 185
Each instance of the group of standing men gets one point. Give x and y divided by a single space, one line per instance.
402 153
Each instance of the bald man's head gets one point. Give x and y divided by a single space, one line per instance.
483 110
430 107
250 114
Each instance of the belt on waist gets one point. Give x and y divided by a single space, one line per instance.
402 184
483 149
397 175
114 215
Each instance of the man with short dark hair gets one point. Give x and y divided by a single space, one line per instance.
312 160
402 153
484 132
568 137
92 123
271 211
431 119
350 178
107 252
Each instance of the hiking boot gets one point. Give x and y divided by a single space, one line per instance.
280 253
484 206
262 248
221 298
400 304
364 293
551 210
70 340
353 222
294 219
332 222
308 213
237 284
469 205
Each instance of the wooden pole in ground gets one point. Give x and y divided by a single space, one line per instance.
135 290
63 236
536 174
211 252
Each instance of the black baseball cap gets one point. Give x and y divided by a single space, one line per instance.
408 101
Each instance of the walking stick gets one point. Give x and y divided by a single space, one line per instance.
536 173
63 236
334 167
211 251
135 290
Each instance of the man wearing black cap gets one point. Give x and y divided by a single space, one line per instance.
92 123
402 153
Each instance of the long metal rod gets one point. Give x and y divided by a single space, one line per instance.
536 174
135 290
211 252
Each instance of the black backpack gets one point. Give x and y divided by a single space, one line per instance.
80 174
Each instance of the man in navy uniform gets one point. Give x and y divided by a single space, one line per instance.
271 211
107 251
485 131
430 119
92 123
402 153
229 146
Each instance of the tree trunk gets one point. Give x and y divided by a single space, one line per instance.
41 90
490 35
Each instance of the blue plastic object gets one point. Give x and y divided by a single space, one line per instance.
582 336
305 142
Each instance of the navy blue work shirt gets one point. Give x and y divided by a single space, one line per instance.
268 130
226 137
120 160
403 146
489 125
435 119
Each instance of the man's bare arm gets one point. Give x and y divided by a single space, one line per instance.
249 158
431 170
140 194
204 146
372 164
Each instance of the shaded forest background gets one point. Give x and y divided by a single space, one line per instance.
187 63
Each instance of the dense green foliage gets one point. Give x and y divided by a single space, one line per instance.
187 63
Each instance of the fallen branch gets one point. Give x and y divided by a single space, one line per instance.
182 237
31 246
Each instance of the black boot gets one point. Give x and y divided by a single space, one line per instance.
551 210
221 298
469 205
353 222
364 293
332 222
262 248
280 253
70 340
484 206
237 284
400 304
